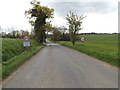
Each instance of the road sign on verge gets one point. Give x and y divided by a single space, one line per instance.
26 38
26 43
82 39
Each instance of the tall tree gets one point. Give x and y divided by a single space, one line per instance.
74 23
37 17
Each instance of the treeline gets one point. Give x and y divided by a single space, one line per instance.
16 34
40 18
60 34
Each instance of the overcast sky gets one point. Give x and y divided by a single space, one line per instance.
102 15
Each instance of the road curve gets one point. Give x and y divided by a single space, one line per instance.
56 66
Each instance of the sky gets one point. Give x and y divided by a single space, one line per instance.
102 15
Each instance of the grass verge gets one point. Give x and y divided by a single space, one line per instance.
12 64
102 54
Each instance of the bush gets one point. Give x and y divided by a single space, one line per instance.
65 37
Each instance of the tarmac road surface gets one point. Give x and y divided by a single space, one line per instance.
56 66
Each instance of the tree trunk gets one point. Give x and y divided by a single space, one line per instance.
73 43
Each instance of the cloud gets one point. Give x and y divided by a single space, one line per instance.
62 8
101 23
12 13
58 21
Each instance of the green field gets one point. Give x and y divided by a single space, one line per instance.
14 54
13 47
103 47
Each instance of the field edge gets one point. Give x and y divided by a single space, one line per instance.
74 48
9 68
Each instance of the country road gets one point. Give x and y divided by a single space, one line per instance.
56 66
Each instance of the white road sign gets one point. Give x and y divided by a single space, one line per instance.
26 38
26 43
82 39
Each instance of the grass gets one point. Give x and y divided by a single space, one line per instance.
102 47
12 63
13 47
